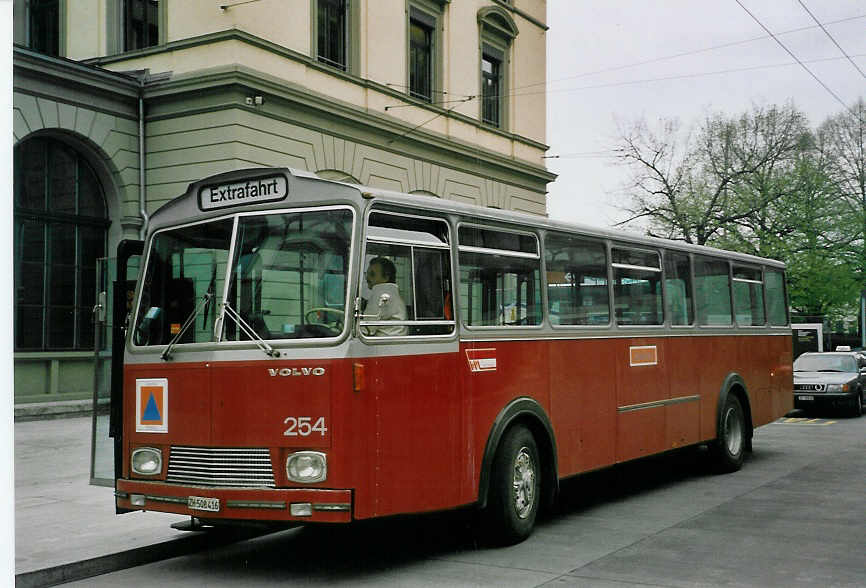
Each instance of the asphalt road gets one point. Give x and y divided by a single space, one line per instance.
793 516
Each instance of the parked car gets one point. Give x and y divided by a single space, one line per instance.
830 379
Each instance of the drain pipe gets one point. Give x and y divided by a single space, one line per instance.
142 189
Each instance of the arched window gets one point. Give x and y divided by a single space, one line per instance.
60 232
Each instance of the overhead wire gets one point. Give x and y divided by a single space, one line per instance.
826 32
678 77
687 53
623 83
515 92
791 53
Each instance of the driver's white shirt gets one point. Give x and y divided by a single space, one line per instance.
393 310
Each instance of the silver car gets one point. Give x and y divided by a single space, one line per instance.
830 379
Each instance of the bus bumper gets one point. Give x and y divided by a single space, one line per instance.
311 505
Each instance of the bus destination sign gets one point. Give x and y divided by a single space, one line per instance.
268 189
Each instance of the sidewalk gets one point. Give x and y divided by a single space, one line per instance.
65 528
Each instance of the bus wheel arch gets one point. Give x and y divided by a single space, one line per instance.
521 414
733 425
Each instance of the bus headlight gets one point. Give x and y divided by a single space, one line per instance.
147 461
307 467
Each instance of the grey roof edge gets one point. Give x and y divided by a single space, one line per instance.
42 64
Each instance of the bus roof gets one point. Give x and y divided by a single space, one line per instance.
523 219
187 207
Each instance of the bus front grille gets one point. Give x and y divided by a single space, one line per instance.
221 466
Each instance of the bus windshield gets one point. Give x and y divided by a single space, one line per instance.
287 279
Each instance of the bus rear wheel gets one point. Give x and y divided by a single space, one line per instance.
515 488
728 449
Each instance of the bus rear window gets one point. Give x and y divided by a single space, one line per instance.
777 305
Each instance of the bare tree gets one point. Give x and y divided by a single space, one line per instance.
695 186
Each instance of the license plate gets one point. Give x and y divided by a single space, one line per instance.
201 503
805 398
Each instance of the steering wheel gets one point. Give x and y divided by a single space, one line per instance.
319 316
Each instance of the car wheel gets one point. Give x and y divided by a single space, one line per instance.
515 488
857 405
728 449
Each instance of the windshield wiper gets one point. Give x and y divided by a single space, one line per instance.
247 329
186 324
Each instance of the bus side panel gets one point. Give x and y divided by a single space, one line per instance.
583 403
714 355
778 398
641 377
783 376
682 426
519 369
753 363
418 428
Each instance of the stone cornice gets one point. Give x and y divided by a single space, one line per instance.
401 133
253 40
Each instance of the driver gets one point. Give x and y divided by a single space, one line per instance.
384 299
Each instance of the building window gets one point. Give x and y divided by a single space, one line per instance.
422 28
332 32
491 86
43 26
60 231
496 33
140 24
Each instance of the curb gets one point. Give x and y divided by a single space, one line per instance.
34 411
104 564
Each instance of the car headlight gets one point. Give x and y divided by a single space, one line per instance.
837 387
307 467
147 461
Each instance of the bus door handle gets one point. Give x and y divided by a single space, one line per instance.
99 308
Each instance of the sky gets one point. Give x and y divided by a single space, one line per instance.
613 62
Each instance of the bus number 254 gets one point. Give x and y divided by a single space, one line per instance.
304 426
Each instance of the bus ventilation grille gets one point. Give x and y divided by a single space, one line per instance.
221 466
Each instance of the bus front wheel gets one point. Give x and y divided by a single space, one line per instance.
515 488
729 448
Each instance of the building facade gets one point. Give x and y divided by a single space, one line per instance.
120 104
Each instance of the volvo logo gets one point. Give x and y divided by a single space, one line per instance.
303 371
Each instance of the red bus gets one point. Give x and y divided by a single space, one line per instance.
302 350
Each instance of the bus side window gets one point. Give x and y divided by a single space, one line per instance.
678 286
500 278
712 291
577 288
417 249
637 287
748 285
